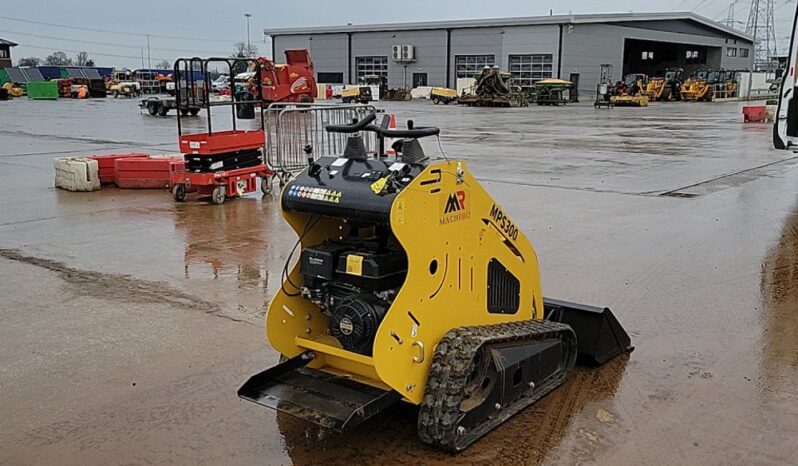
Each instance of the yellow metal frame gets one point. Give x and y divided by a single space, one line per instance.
444 92
450 228
630 100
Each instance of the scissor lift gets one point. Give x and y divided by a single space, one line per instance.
219 164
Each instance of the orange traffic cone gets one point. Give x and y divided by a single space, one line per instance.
389 141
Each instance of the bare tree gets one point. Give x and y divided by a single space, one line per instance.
82 59
58 59
29 61
164 65
241 50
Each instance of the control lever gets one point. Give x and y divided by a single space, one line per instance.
313 168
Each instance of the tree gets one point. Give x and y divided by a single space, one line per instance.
241 50
82 59
58 59
164 65
29 61
89 62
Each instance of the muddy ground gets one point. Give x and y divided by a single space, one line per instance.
127 321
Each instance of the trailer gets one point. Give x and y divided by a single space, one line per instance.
162 105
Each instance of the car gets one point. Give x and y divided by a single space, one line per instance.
222 82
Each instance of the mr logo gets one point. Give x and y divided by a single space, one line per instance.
455 203
455 207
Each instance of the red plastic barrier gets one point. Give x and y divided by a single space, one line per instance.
755 114
146 173
105 164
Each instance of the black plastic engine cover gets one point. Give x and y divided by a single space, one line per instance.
321 261
342 188
375 271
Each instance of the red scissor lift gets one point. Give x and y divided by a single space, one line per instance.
219 164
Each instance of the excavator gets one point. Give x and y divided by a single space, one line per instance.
785 129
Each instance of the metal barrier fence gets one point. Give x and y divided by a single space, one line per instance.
291 127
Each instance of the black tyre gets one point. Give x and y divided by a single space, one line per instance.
179 192
218 195
184 111
346 100
163 110
152 108
306 99
436 101
115 94
194 111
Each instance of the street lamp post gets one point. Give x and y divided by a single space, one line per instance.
249 45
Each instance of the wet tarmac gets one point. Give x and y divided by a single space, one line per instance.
127 321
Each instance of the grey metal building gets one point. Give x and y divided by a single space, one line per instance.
565 46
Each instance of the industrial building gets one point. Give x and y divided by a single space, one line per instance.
569 47
5 53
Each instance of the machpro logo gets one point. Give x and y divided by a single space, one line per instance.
455 203
456 206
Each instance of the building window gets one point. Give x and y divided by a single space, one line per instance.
467 66
528 69
731 52
371 66
3 53
744 53
330 78
647 55
691 54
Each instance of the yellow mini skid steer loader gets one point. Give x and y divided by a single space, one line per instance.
414 285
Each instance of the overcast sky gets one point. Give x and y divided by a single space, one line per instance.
205 28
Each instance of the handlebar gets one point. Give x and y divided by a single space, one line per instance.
355 127
411 132
365 125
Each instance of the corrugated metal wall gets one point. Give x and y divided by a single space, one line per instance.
584 48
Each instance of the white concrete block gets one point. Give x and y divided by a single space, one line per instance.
76 174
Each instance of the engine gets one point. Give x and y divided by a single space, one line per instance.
353 281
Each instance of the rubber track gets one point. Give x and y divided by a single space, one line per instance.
451 365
